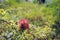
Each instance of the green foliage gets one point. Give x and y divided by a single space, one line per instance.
41 18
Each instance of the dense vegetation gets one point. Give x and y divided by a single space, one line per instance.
44 20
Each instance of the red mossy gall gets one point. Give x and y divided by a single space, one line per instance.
23 24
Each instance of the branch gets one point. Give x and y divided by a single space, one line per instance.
2 20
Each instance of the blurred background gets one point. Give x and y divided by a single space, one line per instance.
43 16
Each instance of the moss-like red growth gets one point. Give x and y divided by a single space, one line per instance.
23 24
